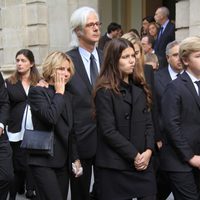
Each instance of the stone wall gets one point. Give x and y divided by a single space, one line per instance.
187 18
39 25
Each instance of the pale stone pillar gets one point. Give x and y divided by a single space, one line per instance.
187 18
182 19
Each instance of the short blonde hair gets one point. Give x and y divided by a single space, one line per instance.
188 46
54 60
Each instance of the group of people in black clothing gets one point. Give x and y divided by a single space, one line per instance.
119 126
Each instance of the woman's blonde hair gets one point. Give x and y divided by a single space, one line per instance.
53 61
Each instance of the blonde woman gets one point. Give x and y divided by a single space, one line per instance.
51 172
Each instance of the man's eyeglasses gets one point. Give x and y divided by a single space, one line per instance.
92 25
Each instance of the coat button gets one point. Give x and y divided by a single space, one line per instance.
127 116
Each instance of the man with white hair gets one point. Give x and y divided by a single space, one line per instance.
85 27
166 34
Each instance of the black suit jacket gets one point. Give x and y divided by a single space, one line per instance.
4 107
18 102
160 46
162 79
83 107
103 41
181 117
124 127
56 115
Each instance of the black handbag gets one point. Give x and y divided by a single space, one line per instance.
36 141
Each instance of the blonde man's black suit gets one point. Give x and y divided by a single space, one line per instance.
181 116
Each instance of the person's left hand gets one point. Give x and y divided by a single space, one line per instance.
142 163
76 168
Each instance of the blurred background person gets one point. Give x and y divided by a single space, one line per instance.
113 31
51 173
145 25
18 84
151 59
153 30
147 42
166 34
125 134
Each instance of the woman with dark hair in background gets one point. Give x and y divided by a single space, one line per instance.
124 126
18 84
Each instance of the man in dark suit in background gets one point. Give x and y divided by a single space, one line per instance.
181 117
166 34
113 31
162 78
6 168
86 34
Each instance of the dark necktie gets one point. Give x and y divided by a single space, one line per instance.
160 33
177 74
158 39
198 84
93 70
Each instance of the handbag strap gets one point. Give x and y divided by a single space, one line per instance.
49 100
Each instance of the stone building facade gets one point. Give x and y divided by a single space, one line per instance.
43 25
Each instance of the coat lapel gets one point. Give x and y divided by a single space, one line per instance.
80 69
136 91
190 86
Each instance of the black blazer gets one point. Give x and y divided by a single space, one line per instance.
124 127
57 115
103 41
18 102
162 78
160 46
4 107
83 109
181 117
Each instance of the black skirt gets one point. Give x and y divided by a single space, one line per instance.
122 185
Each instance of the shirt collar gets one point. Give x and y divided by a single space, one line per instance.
193 78
172 73
86 54
165 24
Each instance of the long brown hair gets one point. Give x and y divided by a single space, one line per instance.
34 74
110 75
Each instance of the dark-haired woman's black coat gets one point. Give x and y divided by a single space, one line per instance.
124 127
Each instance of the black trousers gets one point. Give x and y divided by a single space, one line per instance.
80 187
6 169
185 185
22 174
163 185
51 183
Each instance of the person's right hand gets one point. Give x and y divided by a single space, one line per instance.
195 161
59 83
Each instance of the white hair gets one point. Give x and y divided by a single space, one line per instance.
78 21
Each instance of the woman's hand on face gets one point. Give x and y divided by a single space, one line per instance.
59 83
